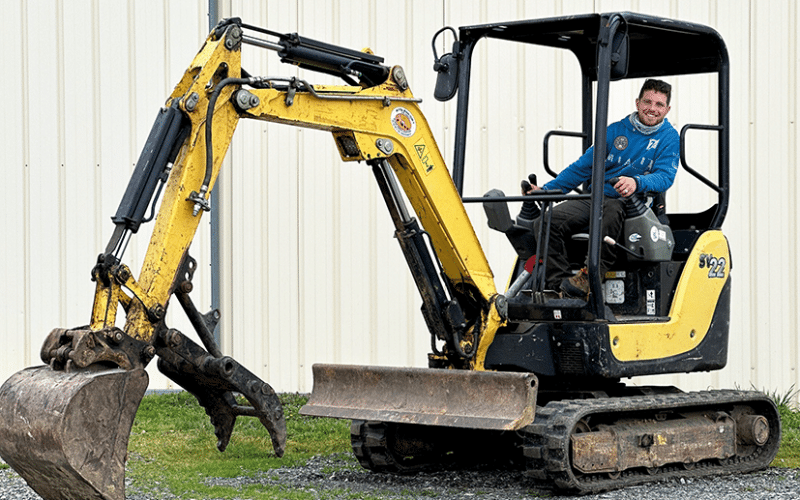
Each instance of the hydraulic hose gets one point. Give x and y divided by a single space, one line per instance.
212 101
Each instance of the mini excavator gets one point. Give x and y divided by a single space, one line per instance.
518 377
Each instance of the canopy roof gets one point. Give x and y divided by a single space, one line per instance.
658 46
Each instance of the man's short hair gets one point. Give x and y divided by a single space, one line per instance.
658 86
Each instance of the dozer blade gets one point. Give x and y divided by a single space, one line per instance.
450 398
66 434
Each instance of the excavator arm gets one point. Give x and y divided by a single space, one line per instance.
98 369
384 127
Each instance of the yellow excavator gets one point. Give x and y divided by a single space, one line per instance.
519 377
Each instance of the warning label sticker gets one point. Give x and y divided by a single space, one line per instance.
422 151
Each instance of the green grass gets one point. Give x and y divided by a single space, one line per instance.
172 447
789 452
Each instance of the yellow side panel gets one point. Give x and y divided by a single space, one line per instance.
706 272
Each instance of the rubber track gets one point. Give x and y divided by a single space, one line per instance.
368 440
447 448
547 440
369 446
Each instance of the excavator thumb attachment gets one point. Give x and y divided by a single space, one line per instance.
66 433
214 381
428 396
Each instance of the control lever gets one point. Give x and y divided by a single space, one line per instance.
611 241
634 206
530 210
526 185
652 240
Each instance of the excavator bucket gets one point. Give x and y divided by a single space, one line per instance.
66 433
449 398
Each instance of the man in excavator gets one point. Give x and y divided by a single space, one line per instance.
642 152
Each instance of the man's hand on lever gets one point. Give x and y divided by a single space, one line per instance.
625 186
530 186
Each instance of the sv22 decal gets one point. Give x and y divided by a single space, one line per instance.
716 266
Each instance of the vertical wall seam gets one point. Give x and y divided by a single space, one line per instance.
132 143
26 180
753 250
792 147
165 28
96 124
269 267
338 256
61 162
301 323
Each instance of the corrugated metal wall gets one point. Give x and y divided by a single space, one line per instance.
84 80
310 271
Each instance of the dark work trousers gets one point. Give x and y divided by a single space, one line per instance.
572 217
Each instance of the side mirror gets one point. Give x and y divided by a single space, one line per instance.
618 47
447 78
446 68
619 56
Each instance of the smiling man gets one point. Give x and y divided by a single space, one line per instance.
643 151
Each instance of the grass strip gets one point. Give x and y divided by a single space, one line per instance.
172 448
789 452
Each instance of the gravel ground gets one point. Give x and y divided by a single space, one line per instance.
338 475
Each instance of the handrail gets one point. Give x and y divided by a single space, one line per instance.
548 196
546 147
686 166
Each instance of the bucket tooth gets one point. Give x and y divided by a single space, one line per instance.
66 433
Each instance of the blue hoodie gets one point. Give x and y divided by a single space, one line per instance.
651 159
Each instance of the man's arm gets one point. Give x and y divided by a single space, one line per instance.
664 169
575 174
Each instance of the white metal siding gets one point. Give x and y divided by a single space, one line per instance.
84 82
311 272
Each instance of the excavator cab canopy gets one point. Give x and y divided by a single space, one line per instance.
656 46
608 47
